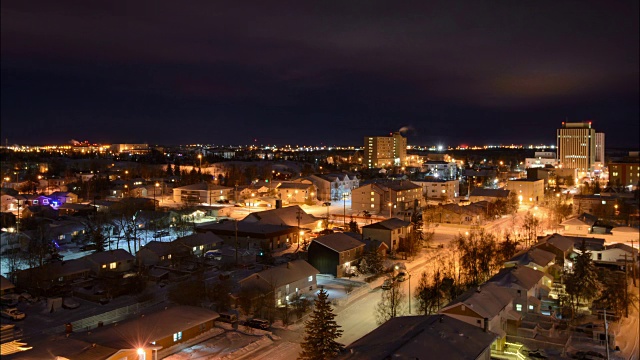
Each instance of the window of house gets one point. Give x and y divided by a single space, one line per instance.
104 266
201 247
599 256
194 248
169 256
530 307
372 205
518 307
311 278
177 336
113 265
61 237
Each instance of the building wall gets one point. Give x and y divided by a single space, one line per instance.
303 285
532 192
323 259
577 147
187 335
445 191
365 198
384 151
624 174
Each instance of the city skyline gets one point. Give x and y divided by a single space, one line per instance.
278 74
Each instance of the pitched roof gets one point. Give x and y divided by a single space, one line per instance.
206 238
294 185
476 208
151 327
280 275
5 284
497 193
282 216
420 337
389 224
522 276
256 230
158 247
533 255
108 256
338 242
203 187
487 302
558 241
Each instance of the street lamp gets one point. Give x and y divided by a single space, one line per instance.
200 157
390 210
344 204
154 195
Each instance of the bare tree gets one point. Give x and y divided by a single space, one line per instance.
390 305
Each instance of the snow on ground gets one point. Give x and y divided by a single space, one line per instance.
628 332
228 345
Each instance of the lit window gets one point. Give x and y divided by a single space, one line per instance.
169 256
201 247
518 307
311 278
372 205
530 307
104 266
372 199
177 336
112 265
372 193
194 248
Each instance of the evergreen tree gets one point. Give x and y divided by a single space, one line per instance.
169 170
353 226
321 332
582 283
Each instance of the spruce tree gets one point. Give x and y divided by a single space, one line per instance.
321 331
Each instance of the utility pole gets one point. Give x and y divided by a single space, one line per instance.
626 286
236 223
344 213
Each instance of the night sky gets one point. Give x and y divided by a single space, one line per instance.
476 72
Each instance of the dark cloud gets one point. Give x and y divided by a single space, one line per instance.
474 72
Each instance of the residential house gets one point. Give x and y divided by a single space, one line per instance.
490 195
376 245
156 253
488 307
579 225
389 197
9 200
161 330
528 286
76 209
51 275
253 235
560 245
202 193
43 211
66 231
292 192
422 337
198 244
535 258
112 262
62 197
615 255
334 186
293 278
290 216
337 254
391 231
440 191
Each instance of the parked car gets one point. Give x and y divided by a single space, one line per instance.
70 303
213 254
9 300
161 233
386 285
258 324
13 314
326 203
228 317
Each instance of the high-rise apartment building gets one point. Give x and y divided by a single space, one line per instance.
577 147
600 147
383 151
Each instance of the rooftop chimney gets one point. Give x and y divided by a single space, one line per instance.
486 324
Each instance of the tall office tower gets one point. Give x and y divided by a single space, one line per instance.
577 147
600 147
382 151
